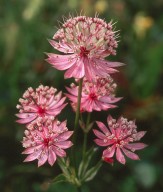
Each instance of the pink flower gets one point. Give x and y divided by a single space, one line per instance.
40 104
97 95
85 42
121 138
46 142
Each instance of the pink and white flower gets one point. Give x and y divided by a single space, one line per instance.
120 138
42 103
98 95
85 42
46 142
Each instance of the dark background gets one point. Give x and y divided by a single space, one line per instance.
25 27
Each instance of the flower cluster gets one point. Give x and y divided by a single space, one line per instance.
85 42
97 95
46 141
121 138
45 137
42 103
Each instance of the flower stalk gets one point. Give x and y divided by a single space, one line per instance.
86 134
76 124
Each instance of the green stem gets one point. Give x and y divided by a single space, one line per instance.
84 144
77 112
76 124
86 134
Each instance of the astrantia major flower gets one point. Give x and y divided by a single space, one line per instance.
97 95
120 138
46 142
42 103
85 42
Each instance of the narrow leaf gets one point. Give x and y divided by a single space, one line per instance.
59 178
91 173
85 162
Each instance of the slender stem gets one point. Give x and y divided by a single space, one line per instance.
86 134
77 112
84 144
76 124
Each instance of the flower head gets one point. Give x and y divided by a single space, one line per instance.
121 138
46 141
41 103
97 95
85 42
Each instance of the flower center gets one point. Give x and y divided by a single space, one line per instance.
92 96
41 111
83 52
46 141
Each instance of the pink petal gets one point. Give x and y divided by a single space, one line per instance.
51 157
64 144
59 128
89 71
58 151
54 101
135 146
107 65
43 158
26 120
30 108
50 100
71 97
58 104
73 91
114 64
25 115
56 111
64 136
101 142
103 128
108 99
140 134
109 118
96 105
99 134
61 47
109 153
87 105
33 156
130 154
61 62
31 149
120 156
76 71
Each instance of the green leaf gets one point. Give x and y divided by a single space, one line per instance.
85 162
59 178
91 173
82 124
63 165
90 126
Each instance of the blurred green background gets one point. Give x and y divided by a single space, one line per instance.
25 27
